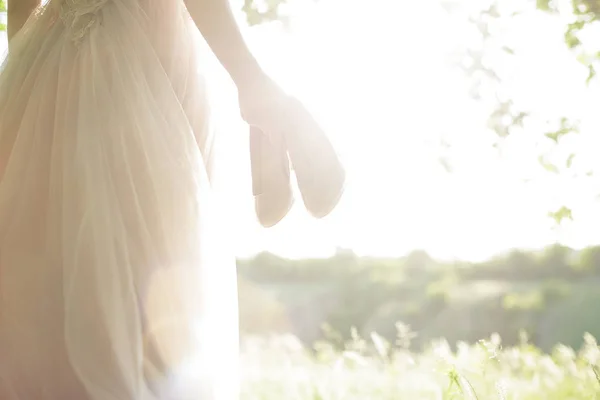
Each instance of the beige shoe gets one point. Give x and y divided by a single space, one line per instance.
273 197
320 174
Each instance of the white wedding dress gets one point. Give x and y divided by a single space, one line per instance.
114 284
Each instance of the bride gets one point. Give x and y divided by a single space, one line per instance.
114 281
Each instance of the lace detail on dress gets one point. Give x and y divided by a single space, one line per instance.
79 16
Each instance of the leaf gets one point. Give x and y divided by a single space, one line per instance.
554 136
561 214
547 165
591 73
2 10
571 38
570 160
520 118
261 11
566 127
596 373
543 5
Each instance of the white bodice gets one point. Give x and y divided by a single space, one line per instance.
79 15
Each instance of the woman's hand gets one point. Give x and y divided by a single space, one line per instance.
260 100
283 121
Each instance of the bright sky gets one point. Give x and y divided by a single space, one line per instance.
378 79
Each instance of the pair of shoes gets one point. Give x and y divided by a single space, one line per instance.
271 186
303 144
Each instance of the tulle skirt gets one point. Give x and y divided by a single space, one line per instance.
114 279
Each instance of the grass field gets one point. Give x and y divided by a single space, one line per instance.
280 368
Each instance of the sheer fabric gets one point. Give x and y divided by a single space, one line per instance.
114 283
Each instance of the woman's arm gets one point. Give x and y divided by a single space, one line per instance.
216 23
18 12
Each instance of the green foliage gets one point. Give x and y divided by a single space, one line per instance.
441 290
563 213
565 128
262 11
517 290
2 10
581 18
537 298
529 301
584 15
554 290
590 259
371 367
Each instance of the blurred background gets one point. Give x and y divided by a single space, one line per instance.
469 129
470 134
